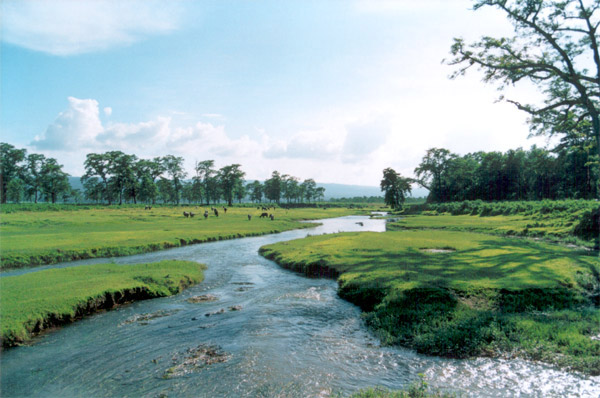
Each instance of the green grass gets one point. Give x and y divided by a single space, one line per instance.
36 301
418 389
550 227
484 295
567 221
29 238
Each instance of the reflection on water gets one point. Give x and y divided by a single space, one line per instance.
290 336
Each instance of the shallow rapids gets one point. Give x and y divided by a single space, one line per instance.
269 333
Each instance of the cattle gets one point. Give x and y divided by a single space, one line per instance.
264 208
206 214
272 217
216 212
186 214
192 214
264 215
148 208
225 210
249 217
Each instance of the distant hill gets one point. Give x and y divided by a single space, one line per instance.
350 191
331 190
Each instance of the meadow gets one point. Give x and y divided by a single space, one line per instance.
34 235
34 302
462 294
565 221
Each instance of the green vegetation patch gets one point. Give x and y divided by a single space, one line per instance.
472 294
30 238
36 301
568 221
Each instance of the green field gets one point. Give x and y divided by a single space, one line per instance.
462 294
40 300
29 238
567 221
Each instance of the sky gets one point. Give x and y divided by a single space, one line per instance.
334 90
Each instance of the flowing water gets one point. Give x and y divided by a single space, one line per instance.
289 336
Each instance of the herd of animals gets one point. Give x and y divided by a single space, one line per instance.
191 214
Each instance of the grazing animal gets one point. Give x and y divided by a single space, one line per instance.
206 214
264 208
216 212
249 217
148 208
192 214
225 210
186 214
272 217
263 215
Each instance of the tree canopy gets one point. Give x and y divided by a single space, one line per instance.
555 47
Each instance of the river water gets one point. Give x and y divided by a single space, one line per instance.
292 337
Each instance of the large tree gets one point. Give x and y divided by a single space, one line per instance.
10 166
555 47
174 168
395 187
98 165
431 172
229 177
54 180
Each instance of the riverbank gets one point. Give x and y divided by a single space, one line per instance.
39 301
32 238
462 294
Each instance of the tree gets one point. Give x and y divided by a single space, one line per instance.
15 190
229 177
272 187
431 172
98 165
395 187
148 190
309 187
256 191
54 180
240 191
555 47
34 164
205 173
121 168
174 168
10 167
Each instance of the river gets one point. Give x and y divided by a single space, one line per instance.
292 337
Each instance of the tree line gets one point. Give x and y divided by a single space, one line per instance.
567 172
117 177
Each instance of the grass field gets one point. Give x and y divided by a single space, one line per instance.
29 238
567 221
40 300
462 294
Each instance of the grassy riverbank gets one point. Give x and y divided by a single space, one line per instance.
462 294
567 221
34 302
30 238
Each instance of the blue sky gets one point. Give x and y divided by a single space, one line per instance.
332 90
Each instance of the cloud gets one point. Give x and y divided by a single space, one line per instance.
316 144
108 111
73 129
79 127
67 27
364 138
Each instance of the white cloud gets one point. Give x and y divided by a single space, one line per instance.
73 129
108 111
65 27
